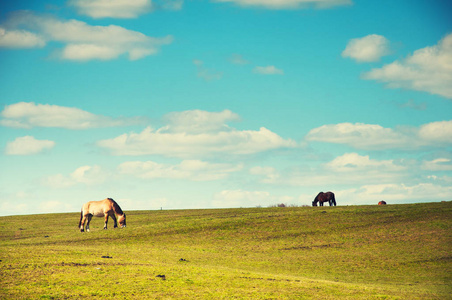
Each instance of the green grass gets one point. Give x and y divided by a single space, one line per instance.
356 252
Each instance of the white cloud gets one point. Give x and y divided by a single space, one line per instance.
437 132
194 170
353 162
197 121
87 175
27 145
83 42
347 169
367 49
428 69
173 140
376 137
439 164
394 194
288 4
29 114
268 70
20 39
123 9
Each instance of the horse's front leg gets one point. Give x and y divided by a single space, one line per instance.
115 221
321 203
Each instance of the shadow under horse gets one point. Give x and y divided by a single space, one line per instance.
324 197
104 208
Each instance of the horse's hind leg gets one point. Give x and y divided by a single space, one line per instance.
82 224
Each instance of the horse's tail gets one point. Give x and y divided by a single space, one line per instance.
333 198
81 217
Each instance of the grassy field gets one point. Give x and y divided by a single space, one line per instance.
355 252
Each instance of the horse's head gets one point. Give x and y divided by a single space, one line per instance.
314 203
122 220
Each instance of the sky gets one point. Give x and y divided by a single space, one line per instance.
191 104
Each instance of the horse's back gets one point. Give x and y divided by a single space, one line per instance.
97 208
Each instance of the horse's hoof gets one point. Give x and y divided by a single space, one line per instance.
81 230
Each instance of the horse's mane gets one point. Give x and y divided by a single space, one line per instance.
116 207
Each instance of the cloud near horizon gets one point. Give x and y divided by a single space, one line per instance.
81 41
288 4
376 137
29 115
194 134
349 168
428 69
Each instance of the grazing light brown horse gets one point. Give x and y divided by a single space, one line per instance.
324 197
104 208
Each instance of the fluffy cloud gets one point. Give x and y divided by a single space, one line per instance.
123 9
20 39
353 162
376 137
439 164
268 70
288 4
367 49
29 114
194 170
174 140
197 121
349 168
83 42
87 175
112 8
428 70
27 145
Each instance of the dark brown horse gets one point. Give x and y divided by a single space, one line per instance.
104 208
324 197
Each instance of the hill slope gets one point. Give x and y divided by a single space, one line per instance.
362 252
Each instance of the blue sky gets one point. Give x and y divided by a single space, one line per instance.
228 103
